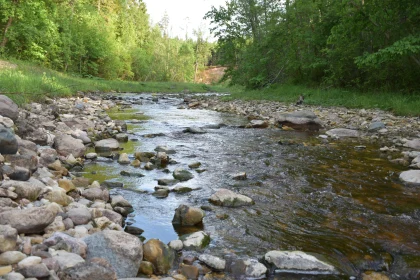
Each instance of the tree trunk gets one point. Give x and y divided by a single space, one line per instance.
4 41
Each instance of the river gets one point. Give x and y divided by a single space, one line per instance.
332 198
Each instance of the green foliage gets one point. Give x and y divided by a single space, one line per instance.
109 39
360 44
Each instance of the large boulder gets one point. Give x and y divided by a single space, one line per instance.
227 198
94 269
299 120
31 220
159 254
411 176
187 216
8 141
30 189
8 236
122 250
8 108
106 145
297 261
66 145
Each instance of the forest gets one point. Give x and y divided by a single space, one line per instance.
109 39
357 44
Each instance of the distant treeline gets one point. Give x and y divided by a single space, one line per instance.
110 39
363 44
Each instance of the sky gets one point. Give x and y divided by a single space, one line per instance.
183 14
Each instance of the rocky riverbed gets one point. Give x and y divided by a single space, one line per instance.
55 224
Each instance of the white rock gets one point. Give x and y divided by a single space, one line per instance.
213 262
296 261
411 176
29 261
177 245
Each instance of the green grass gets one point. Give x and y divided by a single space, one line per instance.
398 103
31 83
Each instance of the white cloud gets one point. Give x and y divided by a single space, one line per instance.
184 15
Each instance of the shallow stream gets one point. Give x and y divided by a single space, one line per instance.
333 199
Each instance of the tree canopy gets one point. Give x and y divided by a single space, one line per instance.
109 39
364 44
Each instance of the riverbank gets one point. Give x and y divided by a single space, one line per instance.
86 210
25 83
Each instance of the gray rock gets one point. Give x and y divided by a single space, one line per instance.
66 260
159 254
80 216
227 198
90 270
107 145
187 216
161 193
413 144
343 132
165 149
182 174
35 271
11 257
120 201
121 137
296 261
195 241
8 141
74 245
411 176
59 196
31 220
8 237
112 184
375 126
16 172
30 189
27 161
96 193
195 130
299 120
7 202
133 230
8 194
250 268
66 145
14 276
213 262
8 108
122 250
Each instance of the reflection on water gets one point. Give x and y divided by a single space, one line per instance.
343 203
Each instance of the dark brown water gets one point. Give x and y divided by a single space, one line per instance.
342 203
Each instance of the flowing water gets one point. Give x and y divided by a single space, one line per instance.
332 199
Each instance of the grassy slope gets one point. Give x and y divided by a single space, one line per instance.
32 83
398 103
